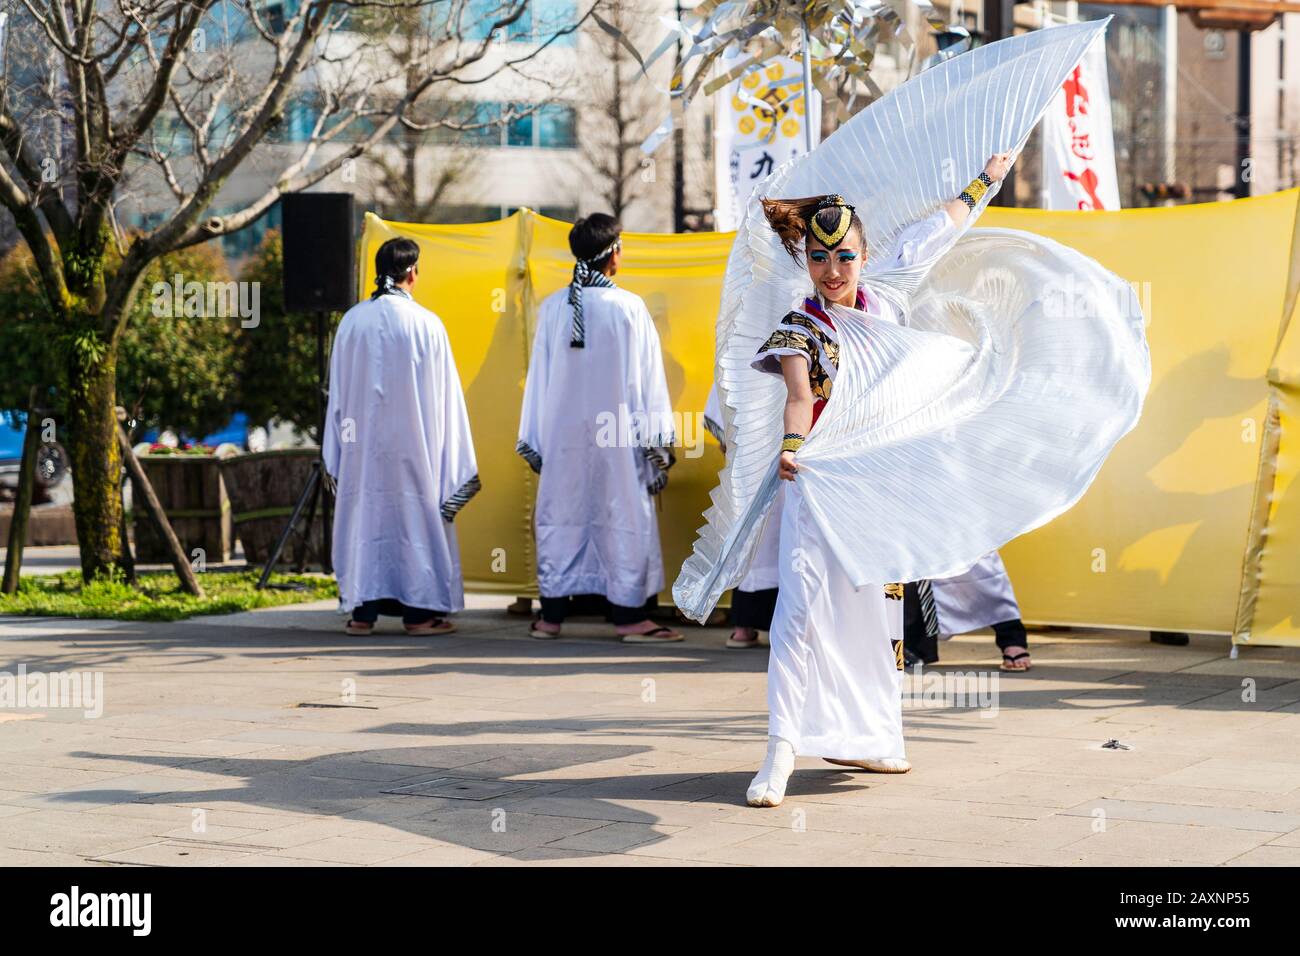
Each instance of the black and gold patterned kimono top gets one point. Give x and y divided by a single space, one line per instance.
811 333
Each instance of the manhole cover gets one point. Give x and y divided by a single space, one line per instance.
458 788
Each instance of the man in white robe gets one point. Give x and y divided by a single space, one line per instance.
980 597
398 445
597 426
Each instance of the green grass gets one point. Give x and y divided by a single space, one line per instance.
157 596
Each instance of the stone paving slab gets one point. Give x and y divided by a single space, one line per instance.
270 738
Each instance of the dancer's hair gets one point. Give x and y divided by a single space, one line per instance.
592 238
393 264
791 219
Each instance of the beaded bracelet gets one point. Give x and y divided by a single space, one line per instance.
973 193
792 441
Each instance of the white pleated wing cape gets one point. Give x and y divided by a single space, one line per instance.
1021 363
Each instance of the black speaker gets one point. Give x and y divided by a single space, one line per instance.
319 241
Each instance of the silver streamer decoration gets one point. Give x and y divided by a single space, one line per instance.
841 38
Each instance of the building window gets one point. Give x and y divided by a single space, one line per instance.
557 127
539 21
552 16
552 126
520 131
171 135
297 123
563 213
470 124
245 242
277 13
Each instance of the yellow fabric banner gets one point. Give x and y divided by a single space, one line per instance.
1269 608
485 282
1157 542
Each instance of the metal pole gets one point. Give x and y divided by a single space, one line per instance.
679 145
322 406
1242 186
807 89
1000 23
23 502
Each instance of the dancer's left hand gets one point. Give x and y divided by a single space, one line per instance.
786 468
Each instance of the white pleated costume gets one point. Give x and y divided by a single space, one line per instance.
1018 365
836 666
597 425
764 570
398 445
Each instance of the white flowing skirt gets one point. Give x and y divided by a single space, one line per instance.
834 677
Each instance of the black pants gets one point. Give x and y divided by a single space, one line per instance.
367 612
753 608
556 609
915 639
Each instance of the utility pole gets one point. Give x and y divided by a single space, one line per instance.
1000 23
679 146
1242 185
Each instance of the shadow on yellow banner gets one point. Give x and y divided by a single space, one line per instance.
1158 542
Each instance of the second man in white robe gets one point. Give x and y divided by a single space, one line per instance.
597 426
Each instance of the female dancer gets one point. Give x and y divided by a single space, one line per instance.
835 671
980 379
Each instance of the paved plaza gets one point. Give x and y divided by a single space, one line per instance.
272 739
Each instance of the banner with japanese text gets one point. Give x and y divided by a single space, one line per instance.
1078 141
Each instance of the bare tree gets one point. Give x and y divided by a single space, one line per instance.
101 100
625 106
402 190
398 172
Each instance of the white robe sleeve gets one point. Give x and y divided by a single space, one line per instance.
653 402
458 468
331 441
924 239
532 416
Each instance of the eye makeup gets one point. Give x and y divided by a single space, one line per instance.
818 256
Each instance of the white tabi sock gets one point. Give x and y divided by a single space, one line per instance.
767 789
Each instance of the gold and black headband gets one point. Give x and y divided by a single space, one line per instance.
833 238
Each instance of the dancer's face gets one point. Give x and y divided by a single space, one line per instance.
834 272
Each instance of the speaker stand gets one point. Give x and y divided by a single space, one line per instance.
314 491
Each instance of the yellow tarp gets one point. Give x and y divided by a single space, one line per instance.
1158 541
1269 609
485 283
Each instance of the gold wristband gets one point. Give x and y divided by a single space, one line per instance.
792 444
976 189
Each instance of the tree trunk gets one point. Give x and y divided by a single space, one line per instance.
96 462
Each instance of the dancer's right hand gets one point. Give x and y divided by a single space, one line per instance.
786 469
